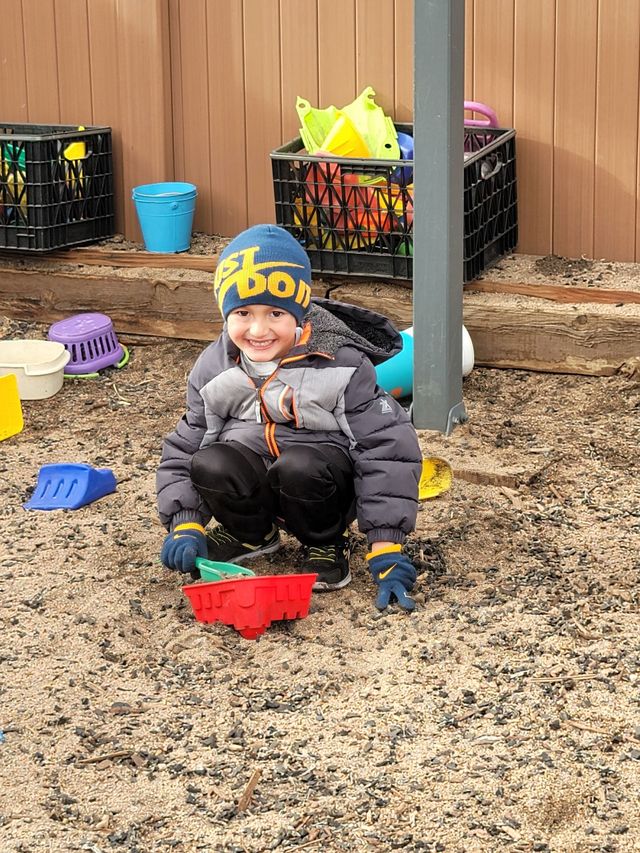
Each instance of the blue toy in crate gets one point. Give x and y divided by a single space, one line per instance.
70 485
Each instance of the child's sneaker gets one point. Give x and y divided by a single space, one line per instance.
223 547
330 563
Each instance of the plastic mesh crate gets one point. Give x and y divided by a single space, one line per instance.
56 186
355 217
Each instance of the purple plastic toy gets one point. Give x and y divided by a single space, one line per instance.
475 141
491 119
91 340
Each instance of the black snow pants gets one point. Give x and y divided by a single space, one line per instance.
308 490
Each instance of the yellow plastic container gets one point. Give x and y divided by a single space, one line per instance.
74 153
76 150
343 140
11 421
436 478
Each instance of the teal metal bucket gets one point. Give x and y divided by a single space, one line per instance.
165 213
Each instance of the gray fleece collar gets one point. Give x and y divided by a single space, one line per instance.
337 324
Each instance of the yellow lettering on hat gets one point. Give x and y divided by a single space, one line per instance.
240 270
251 285
281 284
229 272
303 296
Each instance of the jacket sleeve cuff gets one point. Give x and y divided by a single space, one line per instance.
185 517
385 534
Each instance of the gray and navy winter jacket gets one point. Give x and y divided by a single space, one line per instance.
324 391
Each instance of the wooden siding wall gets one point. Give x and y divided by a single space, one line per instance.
202 90
94 62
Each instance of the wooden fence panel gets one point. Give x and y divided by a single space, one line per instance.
468 50
74 66
202 90
336 52
374 50
144 91
105 72
41 61
177 110
13 80
194 108
534 48
493 56
616 130
299 52
575 105
403 60
637 228
263 108
227 116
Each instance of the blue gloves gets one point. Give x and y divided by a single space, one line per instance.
395 575
181 547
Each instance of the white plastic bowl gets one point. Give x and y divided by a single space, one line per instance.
38 365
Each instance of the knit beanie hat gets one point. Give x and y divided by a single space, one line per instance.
264 265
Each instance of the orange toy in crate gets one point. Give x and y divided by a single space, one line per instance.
247 602
353 214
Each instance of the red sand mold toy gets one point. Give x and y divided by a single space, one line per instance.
245 601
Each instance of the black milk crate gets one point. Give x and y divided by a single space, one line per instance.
355 216
56 186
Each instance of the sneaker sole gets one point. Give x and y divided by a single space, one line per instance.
323 586
259 552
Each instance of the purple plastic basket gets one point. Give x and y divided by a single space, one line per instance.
90 339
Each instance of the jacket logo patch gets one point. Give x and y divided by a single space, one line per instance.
385 408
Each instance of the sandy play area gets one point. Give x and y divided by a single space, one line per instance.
503 715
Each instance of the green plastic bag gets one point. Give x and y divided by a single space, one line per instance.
316 124
376 129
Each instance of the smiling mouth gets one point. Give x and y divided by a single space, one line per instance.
261 344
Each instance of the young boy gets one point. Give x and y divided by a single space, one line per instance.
286 427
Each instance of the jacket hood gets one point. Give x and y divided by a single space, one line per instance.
337 324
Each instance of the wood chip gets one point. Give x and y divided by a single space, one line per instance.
585 727
585 633
563 678
109 756
245 799
487 739
138 760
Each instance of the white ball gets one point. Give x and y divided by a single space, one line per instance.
468 355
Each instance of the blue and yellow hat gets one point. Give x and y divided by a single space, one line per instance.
264 265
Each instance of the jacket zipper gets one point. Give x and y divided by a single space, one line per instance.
259 400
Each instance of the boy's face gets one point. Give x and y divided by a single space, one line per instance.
262 332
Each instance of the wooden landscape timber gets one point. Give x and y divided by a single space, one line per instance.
126 258
553 337
556 293
149 305
530 326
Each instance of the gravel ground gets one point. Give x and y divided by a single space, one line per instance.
504 715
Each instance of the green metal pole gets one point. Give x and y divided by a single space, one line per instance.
438 214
